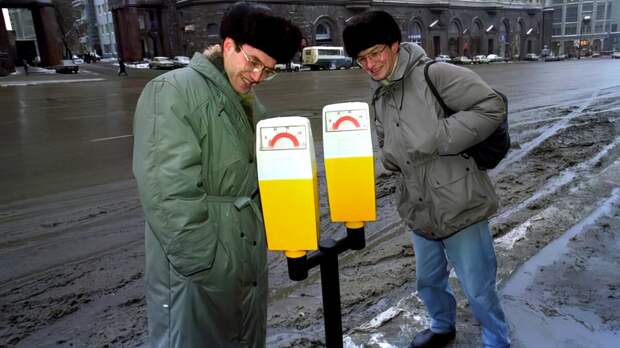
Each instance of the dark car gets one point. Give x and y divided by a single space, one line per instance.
67 66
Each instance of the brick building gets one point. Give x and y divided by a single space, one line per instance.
509 28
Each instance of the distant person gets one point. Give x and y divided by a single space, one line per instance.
446 200
25 62
194 162
544 53
122 69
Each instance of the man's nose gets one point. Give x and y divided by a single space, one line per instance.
369 64
256 76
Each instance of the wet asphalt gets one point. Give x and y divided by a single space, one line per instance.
66 136
75 135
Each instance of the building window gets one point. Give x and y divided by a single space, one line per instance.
586 8
323 32
600 11
614 27
557 29
141 22
598 28
557 14
415 33
212 31
570 29
609 10
558 1
571 13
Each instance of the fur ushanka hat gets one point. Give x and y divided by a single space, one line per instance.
368 29
257 26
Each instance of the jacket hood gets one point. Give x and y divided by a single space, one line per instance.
409 55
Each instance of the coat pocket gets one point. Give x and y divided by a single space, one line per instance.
193 250
459 198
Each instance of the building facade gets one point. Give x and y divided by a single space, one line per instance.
85 26
105 28
583 26
509 28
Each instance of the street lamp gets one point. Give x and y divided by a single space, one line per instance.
584 22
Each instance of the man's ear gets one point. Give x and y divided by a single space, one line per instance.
227 45
395 46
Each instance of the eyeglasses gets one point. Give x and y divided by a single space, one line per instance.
374 55
259 67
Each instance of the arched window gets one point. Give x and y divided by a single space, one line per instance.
323 32
454 39
415 32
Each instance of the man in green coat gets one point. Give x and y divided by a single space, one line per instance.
193 159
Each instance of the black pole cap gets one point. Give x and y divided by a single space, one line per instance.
356 238
297 268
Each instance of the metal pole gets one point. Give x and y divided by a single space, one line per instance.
330 286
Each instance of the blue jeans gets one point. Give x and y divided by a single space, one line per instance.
470 251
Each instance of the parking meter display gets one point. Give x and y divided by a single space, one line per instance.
287 179
349 162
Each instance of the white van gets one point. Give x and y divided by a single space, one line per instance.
325 57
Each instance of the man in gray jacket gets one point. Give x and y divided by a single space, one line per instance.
444 197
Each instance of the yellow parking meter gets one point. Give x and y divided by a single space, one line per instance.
349 163
287 179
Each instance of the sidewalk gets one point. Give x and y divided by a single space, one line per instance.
39 76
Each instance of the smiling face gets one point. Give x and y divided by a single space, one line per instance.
379 60
242 65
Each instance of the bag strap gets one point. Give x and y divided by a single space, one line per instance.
445 107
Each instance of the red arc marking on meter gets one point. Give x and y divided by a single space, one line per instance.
346 118
279 136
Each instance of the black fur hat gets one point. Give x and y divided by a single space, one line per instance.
257 26
368 29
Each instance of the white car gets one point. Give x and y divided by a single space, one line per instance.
615 55
292 67
77 60
494 58
531 56
443 58
462 60
480 59
161 63
180 61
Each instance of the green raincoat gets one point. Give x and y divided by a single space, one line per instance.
206 272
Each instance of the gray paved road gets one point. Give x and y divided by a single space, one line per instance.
59 137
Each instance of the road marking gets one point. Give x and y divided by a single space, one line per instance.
43 82
111 138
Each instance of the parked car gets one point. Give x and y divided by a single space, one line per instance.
443 58
180 61
462 60
492 58
615 55
161 63
291 67
595 55
531 56
67 66
480 59
77 60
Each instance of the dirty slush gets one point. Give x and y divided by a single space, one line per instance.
552 179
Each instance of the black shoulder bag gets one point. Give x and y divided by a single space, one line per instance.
489 152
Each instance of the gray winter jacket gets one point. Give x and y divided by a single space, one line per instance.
441 192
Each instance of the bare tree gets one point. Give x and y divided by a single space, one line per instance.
71 23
